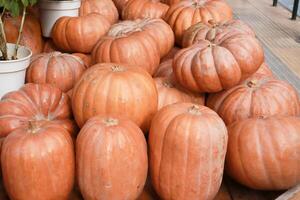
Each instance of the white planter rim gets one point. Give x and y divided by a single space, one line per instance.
59 5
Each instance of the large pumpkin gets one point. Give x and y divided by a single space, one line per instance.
218 63
38 163
187 147
111 154
135 9
215 31
169 92
264 153
259 95
34 102
31 35
185 13
104 7
121 90
79 34
140 42
58 69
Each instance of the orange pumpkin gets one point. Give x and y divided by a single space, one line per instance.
104 7
32 33
215 31
219 63
264 153
135 9
259 95
165 69
187 146
34 102
170 55
120 90
58 69
38 162
115 165
185 13
264 69
86 58
79 34
169 92
49 46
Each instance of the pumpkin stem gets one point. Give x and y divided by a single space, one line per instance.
34 126
111 122
195 110
117 68
199 3
252 83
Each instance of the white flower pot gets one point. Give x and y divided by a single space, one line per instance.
52 10
12 72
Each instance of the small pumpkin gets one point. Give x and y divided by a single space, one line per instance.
104 7
114 165
165 69
135 9
31 35
183 14
169 92
38 162
264 153
140 42
259 95
215 31
188 143
79 34
58 69
202 67
35 102
86 58
113 89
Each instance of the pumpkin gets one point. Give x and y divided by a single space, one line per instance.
135 9
58 69
164 69
169 92
79 34
34 102
264 153
38 162
140 42
104 7
120 4
112 163
215 31
113 89
185 13
219 63
264 69
31 35
259 95
49 46
187 146
170 55
86 58
148 192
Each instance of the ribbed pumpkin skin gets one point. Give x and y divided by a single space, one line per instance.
79 34
259 95
31 35
86 58
111 156
38 163
164 69
187 147
169 92
184 14
37 102
215 31
135 9
104 7
115 89
58 69
140 42
264 153
202 67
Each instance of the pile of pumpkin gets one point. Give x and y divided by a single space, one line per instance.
120 82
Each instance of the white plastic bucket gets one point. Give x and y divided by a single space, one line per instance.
12 72
53 10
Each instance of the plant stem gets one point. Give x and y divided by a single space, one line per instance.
20 34
3 47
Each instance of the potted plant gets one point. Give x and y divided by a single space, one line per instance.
14 59
51 10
